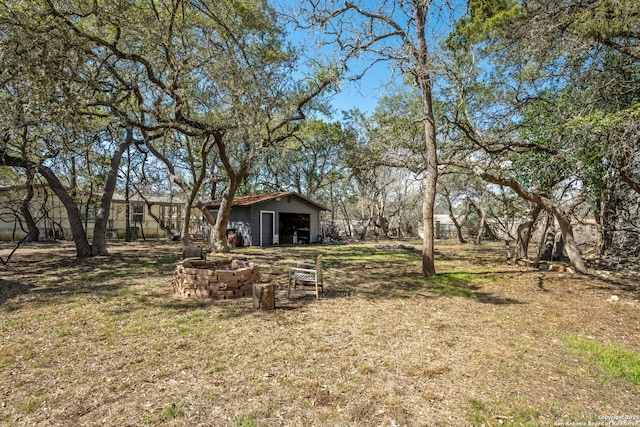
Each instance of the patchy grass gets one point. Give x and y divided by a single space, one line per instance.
104 342
612 358
476 415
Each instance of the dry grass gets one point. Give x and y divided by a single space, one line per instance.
104 342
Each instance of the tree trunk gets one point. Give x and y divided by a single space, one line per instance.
483 223
219 227
83 249
635 186
563 217
428 259
264 296
363 232
556 243
425 82
99 246
484 231
454 220
128 235
430 180
549 242
570 245
605 239
192 199
198 178
524 233
347 219
33 233
558 247
89 200
383 223
219 232
185 238
602 214
543 240
160 221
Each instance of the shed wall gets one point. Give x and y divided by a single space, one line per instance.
290 204
241 220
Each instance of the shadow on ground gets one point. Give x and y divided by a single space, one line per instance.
142 273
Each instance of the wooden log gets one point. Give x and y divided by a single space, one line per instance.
193 252
264 296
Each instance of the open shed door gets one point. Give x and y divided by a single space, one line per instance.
294 228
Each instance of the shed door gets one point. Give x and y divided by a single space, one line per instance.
266 228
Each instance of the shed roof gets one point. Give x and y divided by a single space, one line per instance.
259 198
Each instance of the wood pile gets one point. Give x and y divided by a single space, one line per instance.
194 278
193 251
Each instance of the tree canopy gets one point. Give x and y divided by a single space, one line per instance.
523 107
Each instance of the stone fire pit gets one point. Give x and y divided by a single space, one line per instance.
221 279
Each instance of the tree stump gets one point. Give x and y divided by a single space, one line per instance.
264 296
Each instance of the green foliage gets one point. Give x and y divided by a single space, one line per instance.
600 121
546 94
606 20
9 177
544 163
312 161
485 19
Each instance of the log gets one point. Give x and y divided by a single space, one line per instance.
193 252
264 296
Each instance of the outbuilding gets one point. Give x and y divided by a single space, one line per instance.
145 214
285 218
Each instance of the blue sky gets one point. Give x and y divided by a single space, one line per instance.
375 83
364 93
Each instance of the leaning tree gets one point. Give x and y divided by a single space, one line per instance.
48 97
535 122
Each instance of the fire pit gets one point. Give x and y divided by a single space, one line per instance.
194 278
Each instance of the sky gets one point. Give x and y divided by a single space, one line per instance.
364 94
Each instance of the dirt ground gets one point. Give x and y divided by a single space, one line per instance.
105 342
